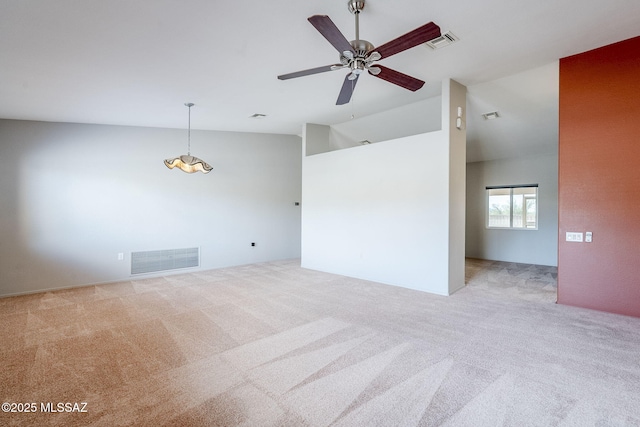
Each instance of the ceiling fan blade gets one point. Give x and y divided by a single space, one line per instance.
310 71
328 29
413 38
347 90
398 78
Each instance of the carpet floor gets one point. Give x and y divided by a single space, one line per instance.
273 344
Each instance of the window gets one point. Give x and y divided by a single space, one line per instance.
512 206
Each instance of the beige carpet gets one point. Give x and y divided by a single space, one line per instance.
273 344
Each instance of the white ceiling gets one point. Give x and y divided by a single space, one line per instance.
137 62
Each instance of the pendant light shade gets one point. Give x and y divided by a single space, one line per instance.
187 162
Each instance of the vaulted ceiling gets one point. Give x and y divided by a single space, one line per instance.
137 62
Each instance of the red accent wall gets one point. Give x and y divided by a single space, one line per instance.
599 178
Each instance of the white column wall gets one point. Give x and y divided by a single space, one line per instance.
454 101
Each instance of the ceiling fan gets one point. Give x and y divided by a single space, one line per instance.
359 55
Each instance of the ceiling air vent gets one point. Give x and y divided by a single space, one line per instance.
491 115
444 40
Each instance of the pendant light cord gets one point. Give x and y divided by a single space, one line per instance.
189 132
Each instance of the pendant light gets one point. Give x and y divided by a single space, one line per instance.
188 163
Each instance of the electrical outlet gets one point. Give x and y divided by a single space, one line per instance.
253 243
573 237
120 256
588 237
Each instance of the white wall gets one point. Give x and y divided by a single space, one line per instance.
412 119
377 212
393 211
525 246
74 196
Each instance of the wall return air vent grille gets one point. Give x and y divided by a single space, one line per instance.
163 260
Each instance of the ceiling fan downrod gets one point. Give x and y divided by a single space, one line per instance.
355 7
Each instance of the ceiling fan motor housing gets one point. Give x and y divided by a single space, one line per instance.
361 47
361 59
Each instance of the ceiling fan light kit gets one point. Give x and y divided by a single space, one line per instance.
359 55
188 163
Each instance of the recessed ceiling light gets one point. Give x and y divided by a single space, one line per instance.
257 116
490 116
